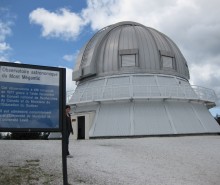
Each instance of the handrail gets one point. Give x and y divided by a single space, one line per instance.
115 92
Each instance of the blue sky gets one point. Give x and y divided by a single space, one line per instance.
26 42
51 32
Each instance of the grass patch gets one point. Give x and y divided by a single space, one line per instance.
29 173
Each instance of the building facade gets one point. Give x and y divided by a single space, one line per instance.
132 80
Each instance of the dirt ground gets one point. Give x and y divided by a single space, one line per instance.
189 160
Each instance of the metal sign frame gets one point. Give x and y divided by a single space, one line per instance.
61 80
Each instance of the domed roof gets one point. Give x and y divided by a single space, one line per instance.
129 47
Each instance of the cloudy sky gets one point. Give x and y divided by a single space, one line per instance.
51 32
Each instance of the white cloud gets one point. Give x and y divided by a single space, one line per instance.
70 85
6 22
4 51
69 58
18 62
206 70
4 46
147 12
3 58
61 24
5 30
207 75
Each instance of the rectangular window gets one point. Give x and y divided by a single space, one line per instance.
167 62
128 60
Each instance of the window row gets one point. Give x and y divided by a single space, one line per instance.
129 58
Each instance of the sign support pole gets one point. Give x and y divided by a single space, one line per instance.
64 130
64 153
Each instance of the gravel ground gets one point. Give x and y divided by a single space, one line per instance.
189 160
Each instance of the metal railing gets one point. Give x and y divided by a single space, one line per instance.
116 92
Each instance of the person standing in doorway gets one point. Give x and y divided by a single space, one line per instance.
69 128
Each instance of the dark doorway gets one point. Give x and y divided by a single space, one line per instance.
81 127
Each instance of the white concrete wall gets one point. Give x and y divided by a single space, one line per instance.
152 118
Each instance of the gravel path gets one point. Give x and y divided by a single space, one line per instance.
190 160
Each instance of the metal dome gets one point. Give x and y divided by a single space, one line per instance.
129 47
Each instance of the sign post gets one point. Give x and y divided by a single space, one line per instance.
64 136
32 99
64 154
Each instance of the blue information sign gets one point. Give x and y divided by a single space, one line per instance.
31 97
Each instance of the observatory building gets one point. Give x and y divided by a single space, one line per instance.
132 80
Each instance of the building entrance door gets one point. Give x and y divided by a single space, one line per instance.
81 127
